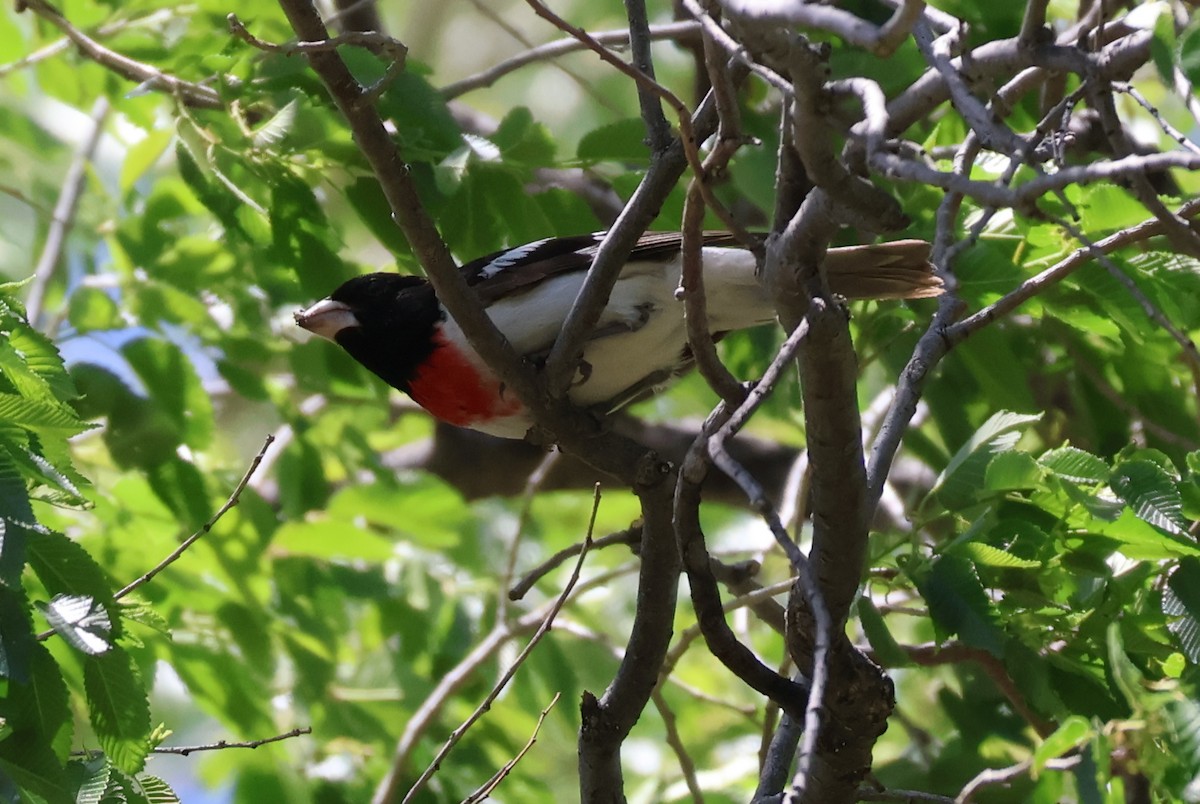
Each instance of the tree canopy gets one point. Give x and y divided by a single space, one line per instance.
935 550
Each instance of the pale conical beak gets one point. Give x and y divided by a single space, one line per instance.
327 318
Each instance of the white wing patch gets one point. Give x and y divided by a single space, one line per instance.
511 258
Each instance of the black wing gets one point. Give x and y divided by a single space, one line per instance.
516 269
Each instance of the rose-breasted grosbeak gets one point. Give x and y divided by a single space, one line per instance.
395 326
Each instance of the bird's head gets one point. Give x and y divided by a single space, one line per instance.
385 321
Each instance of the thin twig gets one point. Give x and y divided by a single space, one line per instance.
1168 129
1036 284
491 784
232 501
903 796
543 629
378 43
458 676
1190 354
996 777
394 52
559 47
221 745
533 484
191 93
64 213
630 537
687 765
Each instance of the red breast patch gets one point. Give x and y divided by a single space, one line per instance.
453 388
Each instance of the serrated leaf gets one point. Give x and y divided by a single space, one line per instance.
1142 541
961 480
31 764
959 605
1012 471
65 567
82 621
96 784
622 141
15 512
16 635
1151 493
156 790
46 703
1181 604
59 482
43 414
989 556
521 139
119 709
42 357
124 789
1075 465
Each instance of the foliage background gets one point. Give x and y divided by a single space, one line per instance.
1032 570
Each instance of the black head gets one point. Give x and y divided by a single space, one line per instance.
385 321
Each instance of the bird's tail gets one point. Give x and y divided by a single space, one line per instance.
896 270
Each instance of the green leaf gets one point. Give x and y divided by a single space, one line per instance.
1189 53
960 482
64 567
16 516
332 540
1125 674
888 652
1181 604
42 358
1071 734
92 309
988 556
427 511
1012 471
31 764
143 155
180 485
959 605
1076 465
622 141
41 707
1140 540
95 784
521 139
1151 493
172 383
16 635
156 790
47 415
119 710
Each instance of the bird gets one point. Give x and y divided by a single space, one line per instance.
396 327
